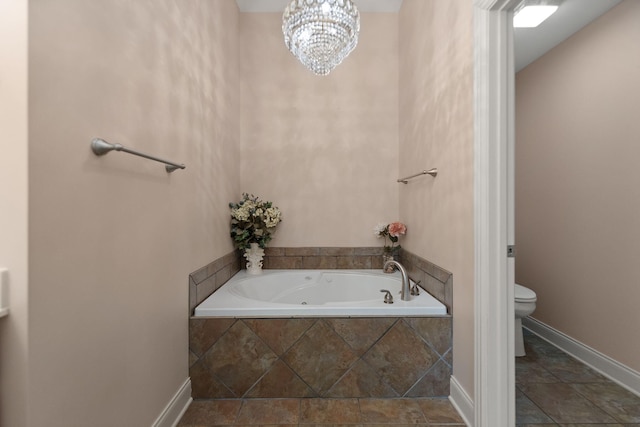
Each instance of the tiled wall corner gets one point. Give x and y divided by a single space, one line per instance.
205 280
436 280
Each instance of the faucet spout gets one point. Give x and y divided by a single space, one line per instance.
405 292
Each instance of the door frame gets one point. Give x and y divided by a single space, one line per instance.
494 366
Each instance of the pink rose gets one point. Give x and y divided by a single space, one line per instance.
397 228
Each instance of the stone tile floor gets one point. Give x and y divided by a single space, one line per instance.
319 412
554 389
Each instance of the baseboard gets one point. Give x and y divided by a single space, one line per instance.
460 399
610 368
176 407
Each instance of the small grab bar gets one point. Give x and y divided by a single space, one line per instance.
433 172
101 147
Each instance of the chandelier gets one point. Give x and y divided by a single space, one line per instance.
321 33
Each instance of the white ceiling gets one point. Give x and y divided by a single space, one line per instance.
530 43
571 16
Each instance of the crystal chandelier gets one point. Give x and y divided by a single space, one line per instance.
321 33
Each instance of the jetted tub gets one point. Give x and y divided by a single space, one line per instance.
315 293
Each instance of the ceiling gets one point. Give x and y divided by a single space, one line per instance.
530 43
571 16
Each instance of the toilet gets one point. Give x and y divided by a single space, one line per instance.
525 304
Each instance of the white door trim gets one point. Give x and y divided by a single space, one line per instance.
494 389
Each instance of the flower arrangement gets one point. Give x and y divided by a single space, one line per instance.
392 231
253 221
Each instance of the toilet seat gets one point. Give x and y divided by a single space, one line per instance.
524 294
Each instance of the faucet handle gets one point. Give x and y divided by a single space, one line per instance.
388 298
415 289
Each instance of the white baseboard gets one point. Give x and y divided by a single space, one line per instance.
460 399
610 368
176 407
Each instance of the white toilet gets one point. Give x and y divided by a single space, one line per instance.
525 304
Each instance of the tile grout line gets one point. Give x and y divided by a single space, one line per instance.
538 406
596 404
280 357
300 422
570 384
235 419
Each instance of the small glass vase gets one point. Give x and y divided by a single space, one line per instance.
386 256
254 255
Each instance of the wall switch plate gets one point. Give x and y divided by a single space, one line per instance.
4 292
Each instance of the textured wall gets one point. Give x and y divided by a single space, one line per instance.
577 194
323 149
436 130
113 239
13 210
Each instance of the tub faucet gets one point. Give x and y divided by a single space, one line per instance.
404 293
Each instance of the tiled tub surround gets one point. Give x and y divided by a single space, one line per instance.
205 280
325 258
330 357
437 281
316 293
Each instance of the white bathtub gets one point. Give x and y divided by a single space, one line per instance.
315 293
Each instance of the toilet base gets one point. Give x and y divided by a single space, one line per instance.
519 340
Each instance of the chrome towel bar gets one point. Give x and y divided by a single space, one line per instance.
101 147
433 172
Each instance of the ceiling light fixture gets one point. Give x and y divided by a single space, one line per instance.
321 33
531 13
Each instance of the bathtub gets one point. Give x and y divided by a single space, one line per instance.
315 293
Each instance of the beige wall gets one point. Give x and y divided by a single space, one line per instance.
323 149
107 289
113 239
328 150
436 130
577 193
13 210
